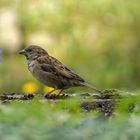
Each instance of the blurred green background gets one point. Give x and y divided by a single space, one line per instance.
98 39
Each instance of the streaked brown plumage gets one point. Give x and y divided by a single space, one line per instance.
51 72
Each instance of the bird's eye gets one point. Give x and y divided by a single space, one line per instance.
29 50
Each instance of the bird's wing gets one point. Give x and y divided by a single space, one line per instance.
45 64
64 71
51 64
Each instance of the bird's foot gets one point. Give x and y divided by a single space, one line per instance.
55 96
50 96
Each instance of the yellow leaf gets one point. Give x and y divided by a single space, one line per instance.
48 89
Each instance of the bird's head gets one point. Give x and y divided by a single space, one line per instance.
33 51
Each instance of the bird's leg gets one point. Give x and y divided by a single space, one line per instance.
53 96
60 91
63 94
47 94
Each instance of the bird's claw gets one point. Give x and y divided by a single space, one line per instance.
55 96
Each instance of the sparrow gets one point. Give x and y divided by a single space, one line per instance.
50 71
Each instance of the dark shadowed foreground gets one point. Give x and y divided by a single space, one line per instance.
85 116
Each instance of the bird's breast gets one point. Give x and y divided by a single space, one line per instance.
31 65
46 78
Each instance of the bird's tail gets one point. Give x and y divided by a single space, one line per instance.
90 86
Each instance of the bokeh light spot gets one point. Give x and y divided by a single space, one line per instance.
30 88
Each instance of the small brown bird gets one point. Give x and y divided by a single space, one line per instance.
51 72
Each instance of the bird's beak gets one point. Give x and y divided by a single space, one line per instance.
22 52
